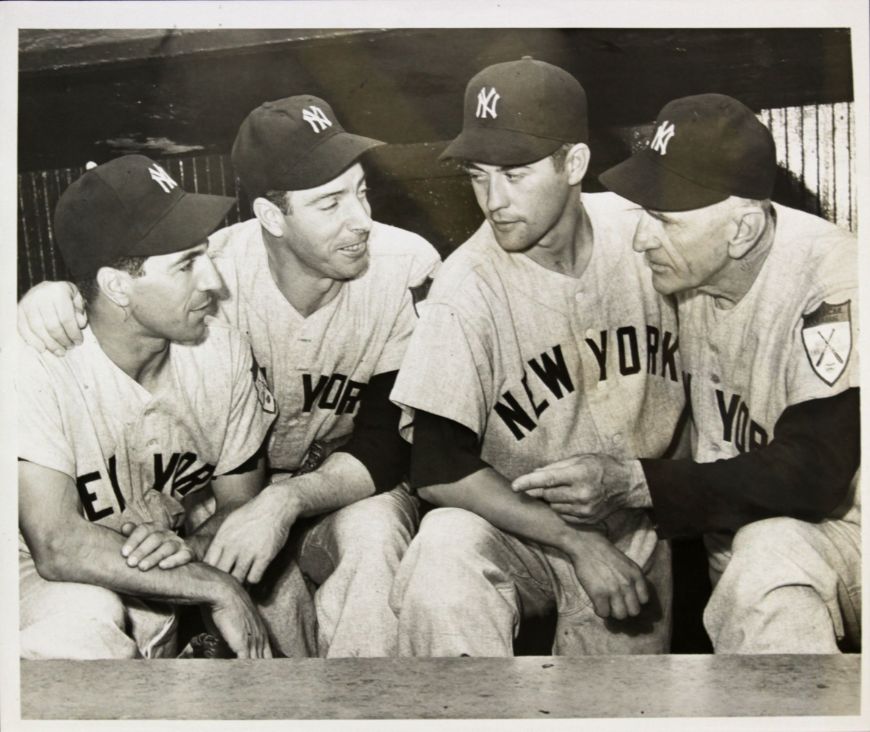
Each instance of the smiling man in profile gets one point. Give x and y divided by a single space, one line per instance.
153 407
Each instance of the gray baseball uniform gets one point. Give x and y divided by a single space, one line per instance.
542 366
792 338
134 455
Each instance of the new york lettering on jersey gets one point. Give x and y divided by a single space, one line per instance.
318 367
175 475
540 364
617 352
135 454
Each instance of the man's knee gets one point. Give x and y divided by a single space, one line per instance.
387 518
454 532
444 558
71 620
771 537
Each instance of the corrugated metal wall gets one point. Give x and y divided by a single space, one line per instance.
814 145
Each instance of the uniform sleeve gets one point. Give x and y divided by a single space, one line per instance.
423 266
375 440
447 371
805 473
252 410
221 248
444 452
41 436
824 359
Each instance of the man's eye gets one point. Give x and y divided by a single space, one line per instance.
187 266
329 206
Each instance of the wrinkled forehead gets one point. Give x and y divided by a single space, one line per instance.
349 180
163 262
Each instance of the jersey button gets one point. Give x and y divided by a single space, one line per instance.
714 378
590 334
578 296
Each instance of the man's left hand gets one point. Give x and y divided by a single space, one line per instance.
151 545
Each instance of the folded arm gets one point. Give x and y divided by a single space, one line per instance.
446 470
68 548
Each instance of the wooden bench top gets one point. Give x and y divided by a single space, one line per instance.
524 687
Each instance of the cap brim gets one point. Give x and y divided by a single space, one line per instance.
643 180
494 146
329 159
189 222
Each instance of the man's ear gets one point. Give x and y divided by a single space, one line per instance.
576 162
269 216
750 224
115 284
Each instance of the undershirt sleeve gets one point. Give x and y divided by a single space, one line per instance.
804 473
444 451
375 440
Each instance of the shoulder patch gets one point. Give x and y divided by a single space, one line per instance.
827 338
264 395
420 293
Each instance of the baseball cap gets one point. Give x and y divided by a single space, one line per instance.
705 148
130 207
293 144
518 112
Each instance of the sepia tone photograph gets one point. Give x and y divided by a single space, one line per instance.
483 366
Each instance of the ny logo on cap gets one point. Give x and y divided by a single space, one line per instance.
162 178
486 101
316 118
662 137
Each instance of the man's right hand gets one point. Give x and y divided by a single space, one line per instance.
614 583
51 317
239 623
250 537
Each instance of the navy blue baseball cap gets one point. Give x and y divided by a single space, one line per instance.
519 112
130 207
705 148
293 144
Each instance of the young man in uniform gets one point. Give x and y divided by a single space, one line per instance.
327 298
768 306
540 333
114 437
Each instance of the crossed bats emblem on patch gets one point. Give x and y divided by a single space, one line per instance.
827 338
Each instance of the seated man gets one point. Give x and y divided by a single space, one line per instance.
327 298
154 406
541 333
768 332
